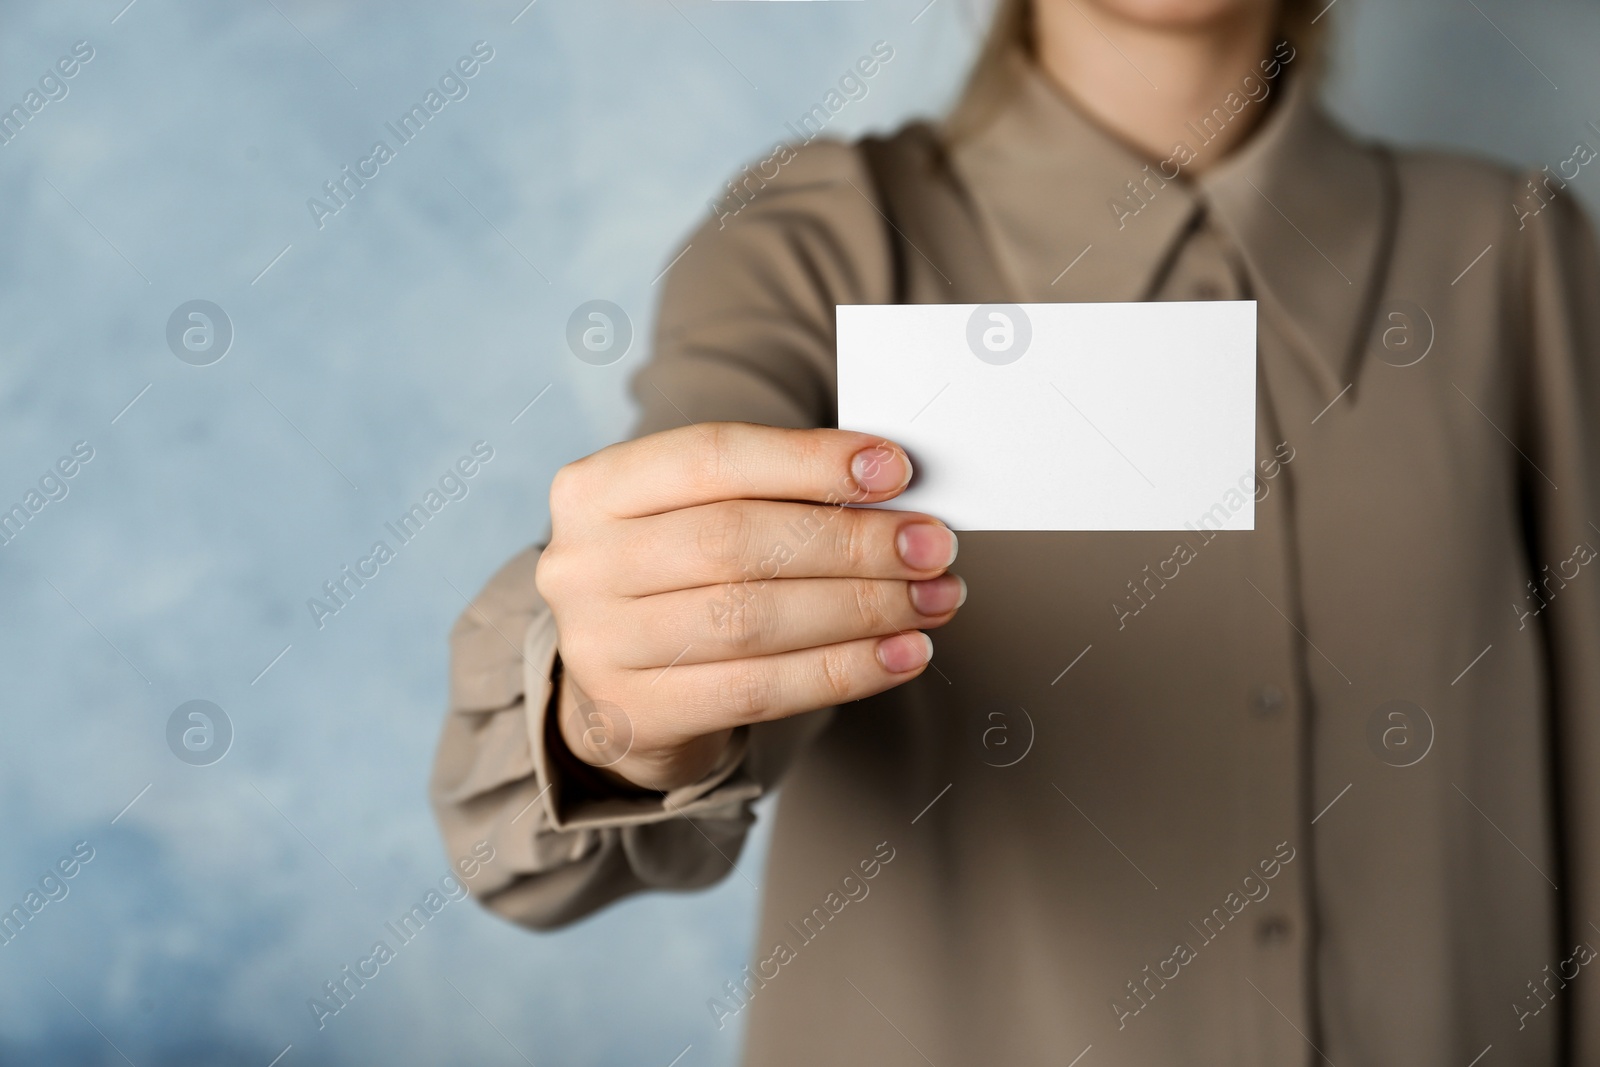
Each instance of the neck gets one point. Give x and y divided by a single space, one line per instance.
1146 83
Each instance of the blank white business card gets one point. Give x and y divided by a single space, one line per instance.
1124 416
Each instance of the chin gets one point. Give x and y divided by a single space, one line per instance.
1174 14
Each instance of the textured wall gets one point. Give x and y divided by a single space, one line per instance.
368 354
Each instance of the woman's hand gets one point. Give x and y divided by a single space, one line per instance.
710 576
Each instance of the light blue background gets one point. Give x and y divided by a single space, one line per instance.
392 339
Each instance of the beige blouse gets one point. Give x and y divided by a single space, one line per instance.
1323 792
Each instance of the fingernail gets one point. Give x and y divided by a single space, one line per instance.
905 652
938 595
880 469
926 546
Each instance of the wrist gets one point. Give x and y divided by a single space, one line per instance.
629 772
568 751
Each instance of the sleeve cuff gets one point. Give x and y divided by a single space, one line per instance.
573 800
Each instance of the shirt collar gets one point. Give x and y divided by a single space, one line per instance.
1307 208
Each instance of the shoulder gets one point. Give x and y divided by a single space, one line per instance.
1476 198
1461 178
816 174
1450 206
746 316
1468 187
827 177
801 219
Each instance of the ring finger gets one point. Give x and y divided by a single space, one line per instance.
738 620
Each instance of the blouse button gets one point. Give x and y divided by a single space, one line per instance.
1267 701
1273 930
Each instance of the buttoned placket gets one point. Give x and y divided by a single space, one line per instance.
1205 266
1214 235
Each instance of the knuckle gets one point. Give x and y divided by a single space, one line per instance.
826 467
855 541
838 679
567 491
708 459
724 536
862 599
746 693
577 649
550 573
810 450
733 617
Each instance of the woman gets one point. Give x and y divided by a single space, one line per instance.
1317 792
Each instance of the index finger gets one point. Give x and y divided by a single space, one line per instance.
713 461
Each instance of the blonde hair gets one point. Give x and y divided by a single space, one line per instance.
1012 30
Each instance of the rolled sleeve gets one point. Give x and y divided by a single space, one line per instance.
745 333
